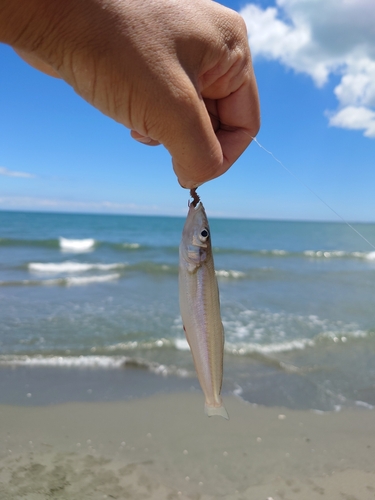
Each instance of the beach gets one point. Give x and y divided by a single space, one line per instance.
98 392
164 447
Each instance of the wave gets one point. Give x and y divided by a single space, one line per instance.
266 353
90 244
240 348
85 245
267 327
104 361
339 254
131 246
231 274
250 348
132 354
86 362
71 267
317 254
70 281
245 349
71 245
88 280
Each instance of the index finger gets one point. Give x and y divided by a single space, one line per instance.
236 121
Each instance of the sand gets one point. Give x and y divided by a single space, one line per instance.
164 447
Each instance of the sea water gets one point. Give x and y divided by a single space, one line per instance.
100 292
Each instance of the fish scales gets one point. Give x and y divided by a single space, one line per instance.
200 306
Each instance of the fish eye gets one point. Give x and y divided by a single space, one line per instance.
204 234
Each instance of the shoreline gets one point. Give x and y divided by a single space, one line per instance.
164 447
270 387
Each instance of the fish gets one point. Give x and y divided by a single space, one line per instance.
200 306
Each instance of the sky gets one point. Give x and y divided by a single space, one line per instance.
314 62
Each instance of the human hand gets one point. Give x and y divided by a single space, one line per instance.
175 73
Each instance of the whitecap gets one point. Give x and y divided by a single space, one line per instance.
250 348
222 273
64 361
87 280
84 245
133 344
85 362
279 252
309 253
70 267
339 254
71 281
363 404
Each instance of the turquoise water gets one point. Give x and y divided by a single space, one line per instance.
95 292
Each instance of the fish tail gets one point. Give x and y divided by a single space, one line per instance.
211 411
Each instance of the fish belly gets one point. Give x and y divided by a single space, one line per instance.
200 311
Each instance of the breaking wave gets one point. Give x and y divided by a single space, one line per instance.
71 267
70 281
85 245
230 274
86 362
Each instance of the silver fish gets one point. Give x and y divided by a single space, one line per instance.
200 306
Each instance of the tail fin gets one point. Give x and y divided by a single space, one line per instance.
211 411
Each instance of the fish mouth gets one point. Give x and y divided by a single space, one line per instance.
195 207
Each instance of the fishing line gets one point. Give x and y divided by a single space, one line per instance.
312 191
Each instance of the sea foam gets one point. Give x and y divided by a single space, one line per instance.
88 280
223 273
85 245
70 281
64 361
71 267
86 362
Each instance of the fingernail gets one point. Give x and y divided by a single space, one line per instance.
143 140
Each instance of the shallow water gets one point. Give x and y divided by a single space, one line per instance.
95 292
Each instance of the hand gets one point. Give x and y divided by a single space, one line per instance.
175 73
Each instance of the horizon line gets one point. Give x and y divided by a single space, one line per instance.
212 216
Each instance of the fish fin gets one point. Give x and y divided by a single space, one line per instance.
211 411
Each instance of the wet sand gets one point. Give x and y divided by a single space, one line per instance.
164 447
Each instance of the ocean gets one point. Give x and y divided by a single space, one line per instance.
95 297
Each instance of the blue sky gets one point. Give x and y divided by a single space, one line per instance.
59 154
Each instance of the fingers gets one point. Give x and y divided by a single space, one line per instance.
239 118
225 110
143 139
212 135
196 152
37 63
187 85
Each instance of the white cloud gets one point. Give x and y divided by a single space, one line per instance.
13 173
355 118
320 38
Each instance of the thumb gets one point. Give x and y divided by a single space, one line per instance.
37 63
